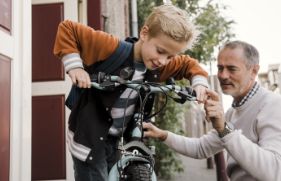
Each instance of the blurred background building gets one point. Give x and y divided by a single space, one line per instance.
272 78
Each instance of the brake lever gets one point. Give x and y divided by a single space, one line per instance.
187 94
103 80
99 77
191 91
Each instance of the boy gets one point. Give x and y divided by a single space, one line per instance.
96 120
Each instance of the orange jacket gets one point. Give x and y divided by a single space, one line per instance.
94 46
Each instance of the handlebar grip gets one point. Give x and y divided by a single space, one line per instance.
191 91
98 78
187 94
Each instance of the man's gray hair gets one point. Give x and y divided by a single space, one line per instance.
250 52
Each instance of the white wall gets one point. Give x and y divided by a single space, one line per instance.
116 19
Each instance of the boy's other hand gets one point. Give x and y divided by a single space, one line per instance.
80 78
201 94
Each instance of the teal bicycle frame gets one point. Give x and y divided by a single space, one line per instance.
137 151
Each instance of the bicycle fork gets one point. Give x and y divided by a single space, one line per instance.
135 151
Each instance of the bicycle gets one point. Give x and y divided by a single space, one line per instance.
136 159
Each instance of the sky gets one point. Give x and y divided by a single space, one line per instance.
258 22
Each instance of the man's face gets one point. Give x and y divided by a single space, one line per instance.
160 50
236 79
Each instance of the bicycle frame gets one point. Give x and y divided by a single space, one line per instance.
136 151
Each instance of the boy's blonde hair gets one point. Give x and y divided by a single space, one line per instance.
173 22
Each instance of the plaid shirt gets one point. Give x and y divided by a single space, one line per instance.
250 94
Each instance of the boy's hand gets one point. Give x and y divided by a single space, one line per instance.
80 78
201 95
214 110
152 131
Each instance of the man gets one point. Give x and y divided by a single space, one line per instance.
250 131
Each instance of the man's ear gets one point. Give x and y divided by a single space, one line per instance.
144 32
256 69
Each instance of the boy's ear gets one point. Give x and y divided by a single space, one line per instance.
144 32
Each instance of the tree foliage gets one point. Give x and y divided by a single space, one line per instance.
215 30
167 161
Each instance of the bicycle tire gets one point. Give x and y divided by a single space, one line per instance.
137 172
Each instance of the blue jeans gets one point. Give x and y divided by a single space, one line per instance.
98 171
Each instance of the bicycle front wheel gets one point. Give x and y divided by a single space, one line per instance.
137 171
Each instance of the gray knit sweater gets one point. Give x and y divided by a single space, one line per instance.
254 148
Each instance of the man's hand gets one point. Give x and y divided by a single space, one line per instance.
201 95
152 131
214 110
80 78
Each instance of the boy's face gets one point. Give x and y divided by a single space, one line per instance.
160 50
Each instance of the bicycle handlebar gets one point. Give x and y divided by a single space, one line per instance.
104 81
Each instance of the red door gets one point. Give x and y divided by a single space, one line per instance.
50 157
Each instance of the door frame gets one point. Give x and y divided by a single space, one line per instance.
18 48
